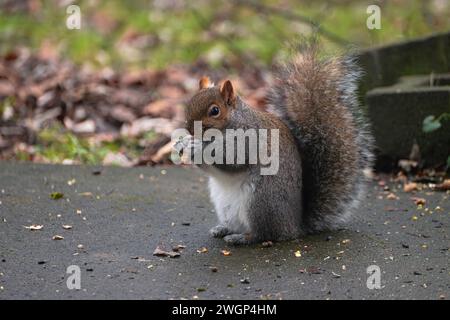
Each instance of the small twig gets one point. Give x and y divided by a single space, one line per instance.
267 10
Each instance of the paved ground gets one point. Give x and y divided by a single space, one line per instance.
127 213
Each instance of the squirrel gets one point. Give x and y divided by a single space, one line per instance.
325 147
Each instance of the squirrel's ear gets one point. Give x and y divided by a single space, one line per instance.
204 83
227 92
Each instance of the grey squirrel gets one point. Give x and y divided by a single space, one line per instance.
324 143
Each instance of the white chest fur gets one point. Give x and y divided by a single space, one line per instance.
230 194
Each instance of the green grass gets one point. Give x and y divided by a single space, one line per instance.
56 144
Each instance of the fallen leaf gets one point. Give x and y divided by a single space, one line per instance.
298 254
161 109
171 92
444 186
145 124
314 270
122 114
86 194
67 227
34 227
178 247
391 196
267 244
87 126
57 237
112 158
163 153
226 253
159 252
408 187
419 201
407 165
336 275
202 250
56 195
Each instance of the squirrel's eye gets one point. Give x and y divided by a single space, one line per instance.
214 111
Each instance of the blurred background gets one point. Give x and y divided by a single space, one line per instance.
112 91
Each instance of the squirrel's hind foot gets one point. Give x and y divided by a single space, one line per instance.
219 231
237 239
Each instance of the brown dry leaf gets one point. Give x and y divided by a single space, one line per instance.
152 148
407 165
136 78
267 244
444 186
314 270
226 253
163 153
165 108
57 237
122 114
419 201
171 92
87 126
411 186
159 252
6 88
145 124
391 196
117 159
48 50
202 250
86 194
178 247
130 97
34 227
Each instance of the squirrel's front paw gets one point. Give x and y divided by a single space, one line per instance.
219 231
189 148
238 239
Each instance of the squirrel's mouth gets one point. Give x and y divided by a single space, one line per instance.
203 129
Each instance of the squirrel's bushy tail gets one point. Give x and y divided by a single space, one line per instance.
316 97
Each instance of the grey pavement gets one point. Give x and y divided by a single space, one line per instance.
119 217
